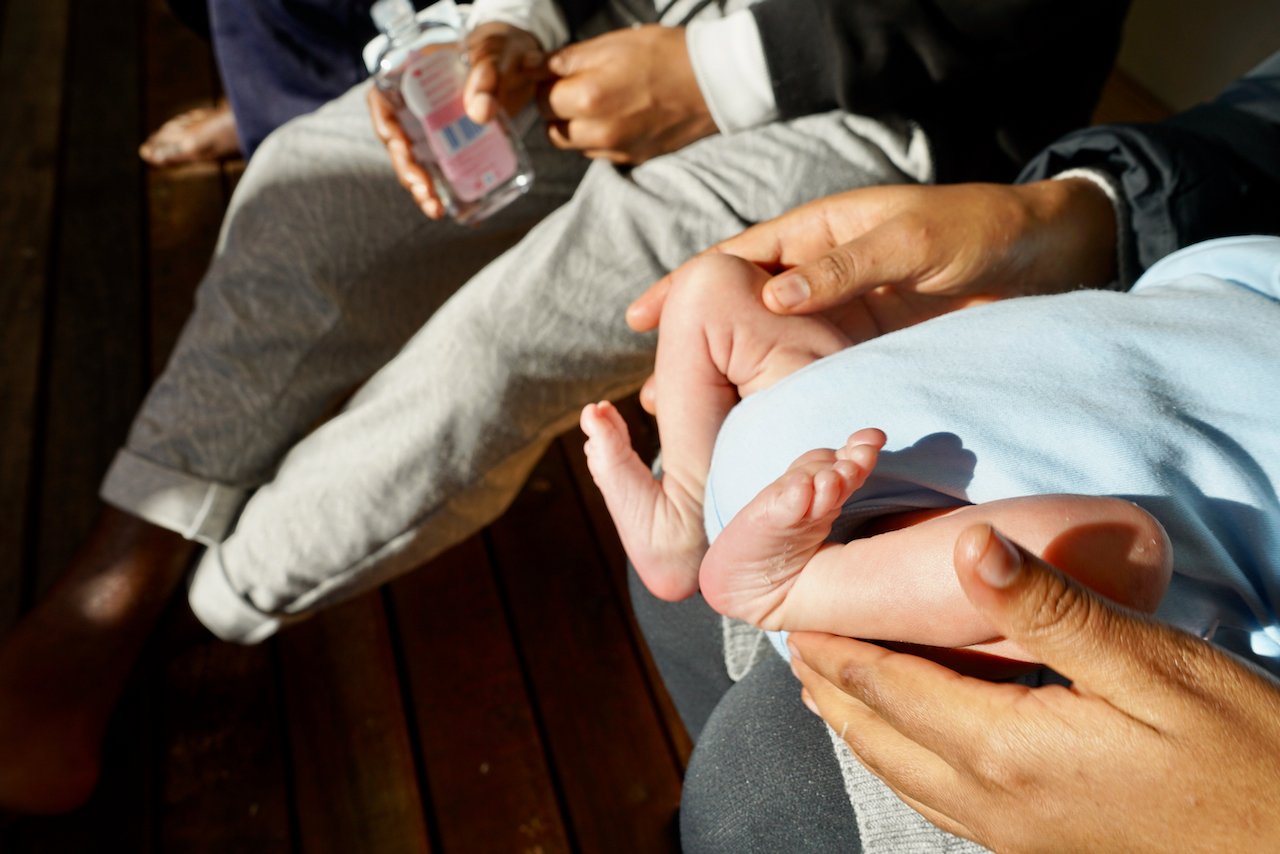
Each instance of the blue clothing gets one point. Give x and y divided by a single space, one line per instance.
1165 395
279 59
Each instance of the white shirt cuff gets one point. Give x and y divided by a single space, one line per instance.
729 64
540 18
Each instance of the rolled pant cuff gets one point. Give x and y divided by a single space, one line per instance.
197 508
225 611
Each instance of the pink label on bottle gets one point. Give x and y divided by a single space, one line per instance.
474 158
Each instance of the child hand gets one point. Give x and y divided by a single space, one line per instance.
506 65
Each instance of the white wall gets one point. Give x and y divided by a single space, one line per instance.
1184 51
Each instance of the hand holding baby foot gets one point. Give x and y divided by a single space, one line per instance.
659 521
756 559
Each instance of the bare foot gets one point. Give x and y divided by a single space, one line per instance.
201 135
658 521
63 666
755 560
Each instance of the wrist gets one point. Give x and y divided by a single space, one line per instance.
1074 226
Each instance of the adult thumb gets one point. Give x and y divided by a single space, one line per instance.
844 273
1093 642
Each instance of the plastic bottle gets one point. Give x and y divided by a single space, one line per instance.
475 169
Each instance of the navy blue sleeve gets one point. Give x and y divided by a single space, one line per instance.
1212 171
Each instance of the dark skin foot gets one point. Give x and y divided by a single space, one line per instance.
63 666
202 135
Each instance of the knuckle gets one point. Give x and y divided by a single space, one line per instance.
612 137
591 99
834 269
994 762
1061 608
853 680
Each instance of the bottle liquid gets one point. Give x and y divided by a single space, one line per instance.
475 169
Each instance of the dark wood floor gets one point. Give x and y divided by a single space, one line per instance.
498 699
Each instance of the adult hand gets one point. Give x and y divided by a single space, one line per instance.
626 96
882 258
506 65
1163 741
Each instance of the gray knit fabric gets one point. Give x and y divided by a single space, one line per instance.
885 823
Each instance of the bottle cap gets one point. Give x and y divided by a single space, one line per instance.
391 15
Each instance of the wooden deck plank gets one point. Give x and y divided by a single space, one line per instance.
621 784
490 787
355 783
96 365
32 41
226 785
1123 99
94 374
224 740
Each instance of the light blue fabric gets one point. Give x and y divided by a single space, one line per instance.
1168 395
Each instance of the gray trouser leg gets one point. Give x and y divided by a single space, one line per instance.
763 777
439 440
323 270
686 641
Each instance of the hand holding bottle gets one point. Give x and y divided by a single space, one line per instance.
507 63
412 176
428 137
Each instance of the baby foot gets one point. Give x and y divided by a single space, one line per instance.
659 522
753 563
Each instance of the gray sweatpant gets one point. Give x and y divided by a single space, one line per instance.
466 360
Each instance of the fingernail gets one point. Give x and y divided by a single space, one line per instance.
790 291
481 105
795 653
808 702
999 562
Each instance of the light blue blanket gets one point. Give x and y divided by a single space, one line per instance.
1168 395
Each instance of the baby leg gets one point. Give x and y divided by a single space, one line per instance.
900 584
717 342
659 523
750 569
